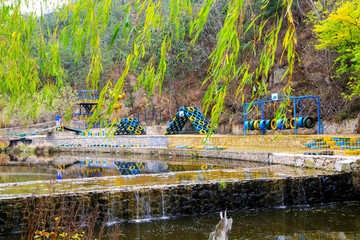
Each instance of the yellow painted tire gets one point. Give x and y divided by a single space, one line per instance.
140 128
192 118
257 124
131 168
191 109
138 132
165 132
138 164
273 124
208 127
204 167
202 132
201 123
130 128
292 123
130 119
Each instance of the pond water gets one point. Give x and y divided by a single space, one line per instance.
91 172
321 222
327 222
85 172
63 166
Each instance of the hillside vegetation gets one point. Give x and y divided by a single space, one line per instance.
326 68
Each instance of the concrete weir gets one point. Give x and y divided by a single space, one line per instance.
118 200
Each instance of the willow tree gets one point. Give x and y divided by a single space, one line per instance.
149 27
28 61
341 33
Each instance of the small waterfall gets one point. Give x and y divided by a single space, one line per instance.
301 194
297 201
163 205
143 206
148 205
321 178
112 218
137 206
110 211
282 203
304 194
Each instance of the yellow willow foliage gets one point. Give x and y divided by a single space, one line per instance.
224 66
341 32
341 26
149 28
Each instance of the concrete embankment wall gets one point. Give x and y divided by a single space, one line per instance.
165 201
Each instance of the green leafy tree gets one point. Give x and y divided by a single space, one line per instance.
341 32
28 61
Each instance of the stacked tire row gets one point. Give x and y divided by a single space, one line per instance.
281 124
129 126
192 114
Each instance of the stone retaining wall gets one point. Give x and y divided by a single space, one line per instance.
166 201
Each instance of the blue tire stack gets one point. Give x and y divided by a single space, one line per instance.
129 126
186 114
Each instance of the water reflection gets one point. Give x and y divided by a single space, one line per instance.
112 172
331 222
101 168
36 168
325 222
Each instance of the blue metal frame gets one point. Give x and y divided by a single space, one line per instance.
87 94
296 101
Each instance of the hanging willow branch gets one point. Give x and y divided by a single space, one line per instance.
24 53
149 28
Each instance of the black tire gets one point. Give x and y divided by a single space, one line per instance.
268 124
251 125
308 122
